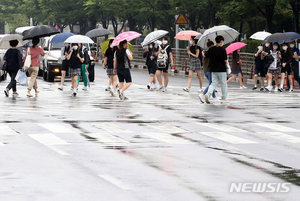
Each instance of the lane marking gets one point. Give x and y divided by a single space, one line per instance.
48 139
277 127
282 136
61 152
112 128
5 130
56 128
228 138
115 182
168 128
222 127
168 138
106 138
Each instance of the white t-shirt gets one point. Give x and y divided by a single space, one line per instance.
127 52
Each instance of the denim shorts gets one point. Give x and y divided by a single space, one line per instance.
236 72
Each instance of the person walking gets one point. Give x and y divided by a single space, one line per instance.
217 64
13 59
267 50
274 68
207 73
295 61
75 58
164 58
33 70
287 57
108 64
122 58
236 68
84 65
259 67
65 64
149 54
195 64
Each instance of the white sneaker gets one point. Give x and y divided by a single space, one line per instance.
186 89
216 101
107 88
207 98
276 89
291 90
84 88
164 89
224 101
112 93
61 87
201 98
159 88
200 90
148 86
269 88
153 86
74 93
243 87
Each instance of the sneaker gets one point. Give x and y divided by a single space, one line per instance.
61 87
164 89
269 88
125 98
107 88
153 86
117 85
262 88
287 89
15 94
159 88
280 89
207 98
201 98
6 92
112 93
186 89
276 89
121 95
291 90
254 88
148 86
200 90
216 101
84 88
71 88
224 101
243 87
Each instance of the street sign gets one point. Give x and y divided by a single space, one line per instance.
181 19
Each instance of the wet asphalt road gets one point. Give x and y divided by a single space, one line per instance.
154 146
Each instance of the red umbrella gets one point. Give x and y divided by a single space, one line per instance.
186 35
235 46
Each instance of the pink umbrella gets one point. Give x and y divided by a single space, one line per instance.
128 35
186 35
235 46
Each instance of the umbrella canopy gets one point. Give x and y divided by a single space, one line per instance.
60 38
98 32
79 39
4 43
260 35
228 33
104 45
40 31
235 46
128 35
20 30
277 37
186 35
295 36
153 36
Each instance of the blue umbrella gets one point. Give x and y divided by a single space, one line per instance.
295 36
60 38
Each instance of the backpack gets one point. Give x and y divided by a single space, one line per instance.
162 58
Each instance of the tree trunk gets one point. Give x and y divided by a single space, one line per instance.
131 22
250 26
269 16
241 30
192 22
295 7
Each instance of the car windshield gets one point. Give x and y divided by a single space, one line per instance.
56 46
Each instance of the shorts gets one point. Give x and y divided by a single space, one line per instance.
275 71
236 72
195 64
65 65
165 70
110 71
260 70
287 70
75 71
152 69
124 75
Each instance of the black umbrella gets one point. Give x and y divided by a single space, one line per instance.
276 37
98 32
40 31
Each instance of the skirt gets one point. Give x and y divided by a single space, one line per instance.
275 71
75 71
110 71
195 64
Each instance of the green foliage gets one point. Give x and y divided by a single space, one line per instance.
251 46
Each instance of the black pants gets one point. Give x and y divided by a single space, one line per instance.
13 82
296 73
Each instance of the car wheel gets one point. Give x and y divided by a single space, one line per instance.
50 76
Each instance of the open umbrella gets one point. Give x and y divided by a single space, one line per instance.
60 38
260 35
104 45
235 46
277 37
295 36
4 43
153 36
186 35
40 31
78 39
128 35
98 32
20 30
228 33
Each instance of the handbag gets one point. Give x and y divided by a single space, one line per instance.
228 69
27 62
4 66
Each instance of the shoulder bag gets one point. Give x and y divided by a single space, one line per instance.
27 62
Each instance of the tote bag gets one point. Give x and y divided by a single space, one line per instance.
27 62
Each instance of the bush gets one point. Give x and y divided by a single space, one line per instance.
251 46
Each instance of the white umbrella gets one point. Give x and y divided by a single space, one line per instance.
20 30
4 43
79 39
260 35
228 33
153 36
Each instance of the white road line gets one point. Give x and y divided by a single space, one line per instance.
112 128
115 181
282 136
1 144
277 127
168 138
48 139
168 128
61 152
226 137
222 127
5 130
107 138
56 128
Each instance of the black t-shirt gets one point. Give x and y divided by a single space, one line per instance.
259 63
193 50
74 60
13 60
217 57
110 58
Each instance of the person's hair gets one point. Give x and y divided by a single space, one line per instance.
209 43
193 38
164 38
219 39
152 45
13 43
259 44
109 43
35 42
278 49
122 44
292 41
285 44
73 44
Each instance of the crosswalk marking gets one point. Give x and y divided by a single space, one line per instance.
167 128
1 144
168 138
282 136
106 138
5 130
113 128
56 127
48 139
277 127
115 181
226 137
222 127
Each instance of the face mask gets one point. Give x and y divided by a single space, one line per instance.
75 47
275 47
164 42
260 47
150 46
267 44
292 45
284 47
191 42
